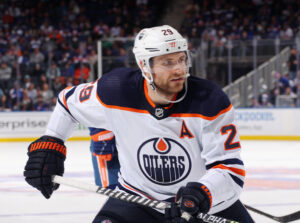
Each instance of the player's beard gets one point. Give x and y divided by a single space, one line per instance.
169 88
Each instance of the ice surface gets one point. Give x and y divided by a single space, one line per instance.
272 185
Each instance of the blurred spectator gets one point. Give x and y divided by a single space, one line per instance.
68 70
37 57
286 33
292 63
273 95
16 96
69 82
292 96
53 103
47 93
254 103
42 80
36 73
4 104
26 104
92 60
5 75
53 72
284 82
9 56
32 93
27 81
57 86
81 74
1 93
40 105
264 98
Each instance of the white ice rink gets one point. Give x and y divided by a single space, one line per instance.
272 185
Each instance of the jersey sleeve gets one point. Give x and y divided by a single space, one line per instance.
221 151
78 104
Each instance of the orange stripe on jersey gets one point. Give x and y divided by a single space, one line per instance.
136 191
64 97
173 115
147 95
121 108
202 116
103 171
102 136
232 169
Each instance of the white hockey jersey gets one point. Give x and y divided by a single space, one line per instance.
160 148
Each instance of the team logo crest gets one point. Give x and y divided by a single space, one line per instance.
164 161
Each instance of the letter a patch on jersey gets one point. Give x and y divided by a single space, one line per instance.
185 132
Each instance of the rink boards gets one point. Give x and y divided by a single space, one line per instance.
253 124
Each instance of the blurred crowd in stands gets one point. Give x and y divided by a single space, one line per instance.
221 19
286 92
46 45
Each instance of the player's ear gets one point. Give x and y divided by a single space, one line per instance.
144 69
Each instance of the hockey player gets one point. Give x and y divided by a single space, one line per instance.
104 157
175 135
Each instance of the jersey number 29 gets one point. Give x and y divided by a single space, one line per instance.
85 93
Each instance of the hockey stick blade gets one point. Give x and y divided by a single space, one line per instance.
162 205
286 218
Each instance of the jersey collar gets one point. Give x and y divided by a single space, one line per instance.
158 111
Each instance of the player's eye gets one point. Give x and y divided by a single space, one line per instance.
182 60
168 63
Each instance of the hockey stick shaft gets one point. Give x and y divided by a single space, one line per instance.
133 198
287 218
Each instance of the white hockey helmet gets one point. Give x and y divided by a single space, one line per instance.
157 41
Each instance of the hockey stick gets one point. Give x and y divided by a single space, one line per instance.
287 218
133 199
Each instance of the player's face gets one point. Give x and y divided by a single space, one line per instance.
169 72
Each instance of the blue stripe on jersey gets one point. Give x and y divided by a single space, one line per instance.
237 180
225 162
70 92
62 104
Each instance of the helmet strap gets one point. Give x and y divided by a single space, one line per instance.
151 83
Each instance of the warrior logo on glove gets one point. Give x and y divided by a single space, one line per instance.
46 157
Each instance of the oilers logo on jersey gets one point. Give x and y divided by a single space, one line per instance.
164 161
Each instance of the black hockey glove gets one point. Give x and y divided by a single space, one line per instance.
194 198
46 158
173 215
